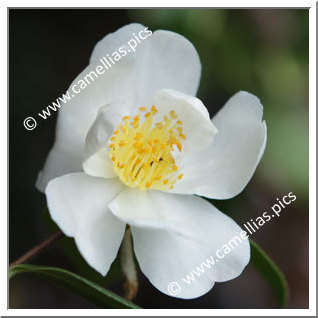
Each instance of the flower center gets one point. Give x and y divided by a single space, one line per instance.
142 150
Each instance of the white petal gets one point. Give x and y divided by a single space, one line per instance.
165 59
165 256
62 159
113 41
145 209
197 125
223 169
106 122
100 165
78 204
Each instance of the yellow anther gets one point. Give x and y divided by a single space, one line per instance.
137 144
172 141
111 145
180 176
179 122
174 168
182 136
173 114
138 136
142 109
136 118
179 130
122 165
116 132
165 181
113 138
147 115
122 143
126 118
135 124
159 125
113 158
148 184
154 109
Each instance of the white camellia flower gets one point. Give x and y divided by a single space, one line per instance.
135 147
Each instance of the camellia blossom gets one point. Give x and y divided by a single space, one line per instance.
136 147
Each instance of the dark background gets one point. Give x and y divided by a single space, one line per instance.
261 51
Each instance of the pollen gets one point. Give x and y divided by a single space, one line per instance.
154 110
122 143
173 114
141 149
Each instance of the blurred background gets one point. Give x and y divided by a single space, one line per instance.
262 51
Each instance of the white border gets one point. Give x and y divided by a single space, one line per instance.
312 163
163 3
312 157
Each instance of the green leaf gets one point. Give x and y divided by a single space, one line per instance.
271 272
91 291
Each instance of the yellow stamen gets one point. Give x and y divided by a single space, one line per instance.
122 143
141 151
159 125
173 114
154 110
